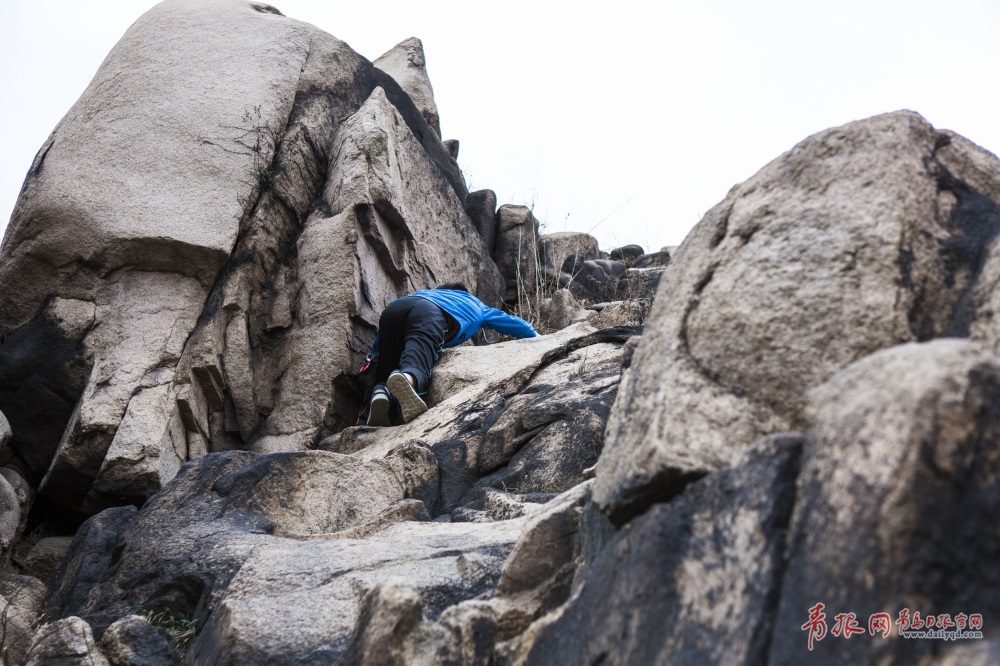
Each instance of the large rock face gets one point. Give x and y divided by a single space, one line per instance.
406 64
339 545
916 427
516 251
859 238
206 273
715 555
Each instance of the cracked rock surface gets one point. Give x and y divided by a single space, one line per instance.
861 237
205 275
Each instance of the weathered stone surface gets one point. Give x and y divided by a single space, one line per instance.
24 494
556 247
234 318
388 211
516 251
525 416
692 581
593 280
860 238
627 254
322 588
10 518
535 579
217 518
406 64
340 547
45 558
485 505
896 500
5 431
451 145
537 576
623 313
44 367
389 612
20 604
66 642
481 207
133 641
652 260
639 284
564 415
560 310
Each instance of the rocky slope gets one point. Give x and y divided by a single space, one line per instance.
802 425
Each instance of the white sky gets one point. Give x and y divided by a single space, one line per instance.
633 116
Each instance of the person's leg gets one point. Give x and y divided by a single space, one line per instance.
391 337
426 328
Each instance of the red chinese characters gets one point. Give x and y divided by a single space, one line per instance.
846 624
944 621
816 625
880 623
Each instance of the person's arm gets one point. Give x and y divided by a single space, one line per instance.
508 324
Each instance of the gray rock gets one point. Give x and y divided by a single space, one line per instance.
565 420
538 575
593 280
627 254
21 599
688 582
44 366
623 313
481 207
485 505
341 548
205 543
860 238
66 642
536 579
516 251
652 260
174 330
895 500
24 495
10 518
406 64
639 284
389 612
322 590
556 247
133 641
451 145
45 558
560 310
5 431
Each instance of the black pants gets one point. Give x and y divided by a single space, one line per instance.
411 331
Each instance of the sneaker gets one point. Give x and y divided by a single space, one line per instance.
378 409
410 403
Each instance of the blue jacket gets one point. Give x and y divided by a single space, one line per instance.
472 314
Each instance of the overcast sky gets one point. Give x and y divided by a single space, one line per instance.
627 119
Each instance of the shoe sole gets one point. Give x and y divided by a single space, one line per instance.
409 402
378 412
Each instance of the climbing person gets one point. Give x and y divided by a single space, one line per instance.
413 330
